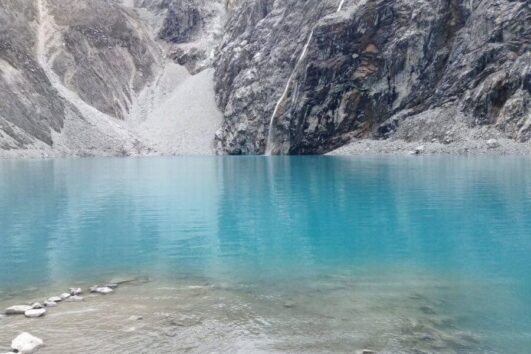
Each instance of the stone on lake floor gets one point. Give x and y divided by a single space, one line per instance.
120 281
17 309
34 313
64 296
26 343
75 291
55 299
75 298
50 303
37 305
104 290
289 304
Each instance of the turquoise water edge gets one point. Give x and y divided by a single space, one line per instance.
369 241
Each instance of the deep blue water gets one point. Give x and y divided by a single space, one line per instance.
464 220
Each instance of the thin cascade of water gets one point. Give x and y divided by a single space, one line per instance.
270 143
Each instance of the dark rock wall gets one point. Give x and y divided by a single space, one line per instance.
369 68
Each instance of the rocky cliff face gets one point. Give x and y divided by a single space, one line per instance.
291 76
83 77
416 70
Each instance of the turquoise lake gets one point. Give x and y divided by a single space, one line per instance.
349 245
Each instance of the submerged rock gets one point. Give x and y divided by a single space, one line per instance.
34 313
104 290
50 303
26 343
75 298
55 299
37 305
64 296
17 309
111 285
289 304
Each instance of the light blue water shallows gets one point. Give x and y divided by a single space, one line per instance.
268 220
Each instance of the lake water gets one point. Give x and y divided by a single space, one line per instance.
249 254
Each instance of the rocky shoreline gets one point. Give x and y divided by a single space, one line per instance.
25 342
500 146
472 146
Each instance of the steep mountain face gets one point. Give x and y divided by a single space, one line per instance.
29 108
299 77
128 77
97 77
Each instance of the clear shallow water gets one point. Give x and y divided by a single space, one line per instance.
361 247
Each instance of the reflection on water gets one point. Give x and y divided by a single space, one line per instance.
381 251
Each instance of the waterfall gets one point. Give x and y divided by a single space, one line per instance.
269 146
270 143
340 5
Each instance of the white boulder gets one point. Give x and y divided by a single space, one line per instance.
64 296
104 290
50 303
76 291
26 343
34 313
55 299
17 309
37 305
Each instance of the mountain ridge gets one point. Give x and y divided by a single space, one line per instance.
143 77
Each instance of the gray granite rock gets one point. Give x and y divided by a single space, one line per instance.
411 70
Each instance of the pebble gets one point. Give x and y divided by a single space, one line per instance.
76 291
55 299
75 298
101 290
25 343
17 309
34 313
50 303
289 304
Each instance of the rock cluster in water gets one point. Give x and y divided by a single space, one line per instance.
25 342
